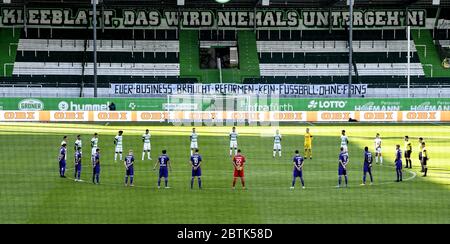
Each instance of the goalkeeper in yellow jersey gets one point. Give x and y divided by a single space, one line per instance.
308 144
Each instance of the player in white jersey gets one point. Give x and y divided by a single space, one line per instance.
118 143
344 141
194 141
233 141
94 145
147 145
377 143
277 143
78 143
64 140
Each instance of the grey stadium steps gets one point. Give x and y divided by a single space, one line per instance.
220 35
372 81
102 57
336 58
83 34
109 45
340 69
286 35
75 80
114 69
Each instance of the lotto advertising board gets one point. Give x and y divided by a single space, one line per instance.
244 103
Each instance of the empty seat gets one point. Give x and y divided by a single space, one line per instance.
102 45
119 69
340 69
333 46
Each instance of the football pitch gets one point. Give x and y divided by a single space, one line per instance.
31 190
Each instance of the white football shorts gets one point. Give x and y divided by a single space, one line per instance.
233 144
147 147
194 145
277 146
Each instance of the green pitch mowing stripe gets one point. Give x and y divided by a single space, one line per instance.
32 192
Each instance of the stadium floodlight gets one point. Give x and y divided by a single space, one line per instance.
222 1
436 2
94 28
265 2
6 1
350 46
180 2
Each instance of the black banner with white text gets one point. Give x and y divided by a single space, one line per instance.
142 18
132 89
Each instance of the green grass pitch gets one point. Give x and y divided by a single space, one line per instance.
32 192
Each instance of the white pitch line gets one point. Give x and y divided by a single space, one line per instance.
309 123
439 124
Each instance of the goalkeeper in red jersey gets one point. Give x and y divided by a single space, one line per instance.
238 163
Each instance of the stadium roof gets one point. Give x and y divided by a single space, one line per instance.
247 3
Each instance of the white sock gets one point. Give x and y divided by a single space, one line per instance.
231 152
279 153
235 151
274 153
143 154
376 159
115 156
148 155
191 152
120 156
381 160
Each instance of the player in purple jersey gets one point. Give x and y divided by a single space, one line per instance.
96 167
342 171
196 161
398 163
367 168
62 160
298 169
77 175
164 165
425 159
129 168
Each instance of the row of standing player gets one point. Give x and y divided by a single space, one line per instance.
368 159
163 160
343 157
367 169
422 154
118 141
95 154
238 163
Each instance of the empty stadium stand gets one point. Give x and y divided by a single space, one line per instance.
283 56
379 56
59 55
